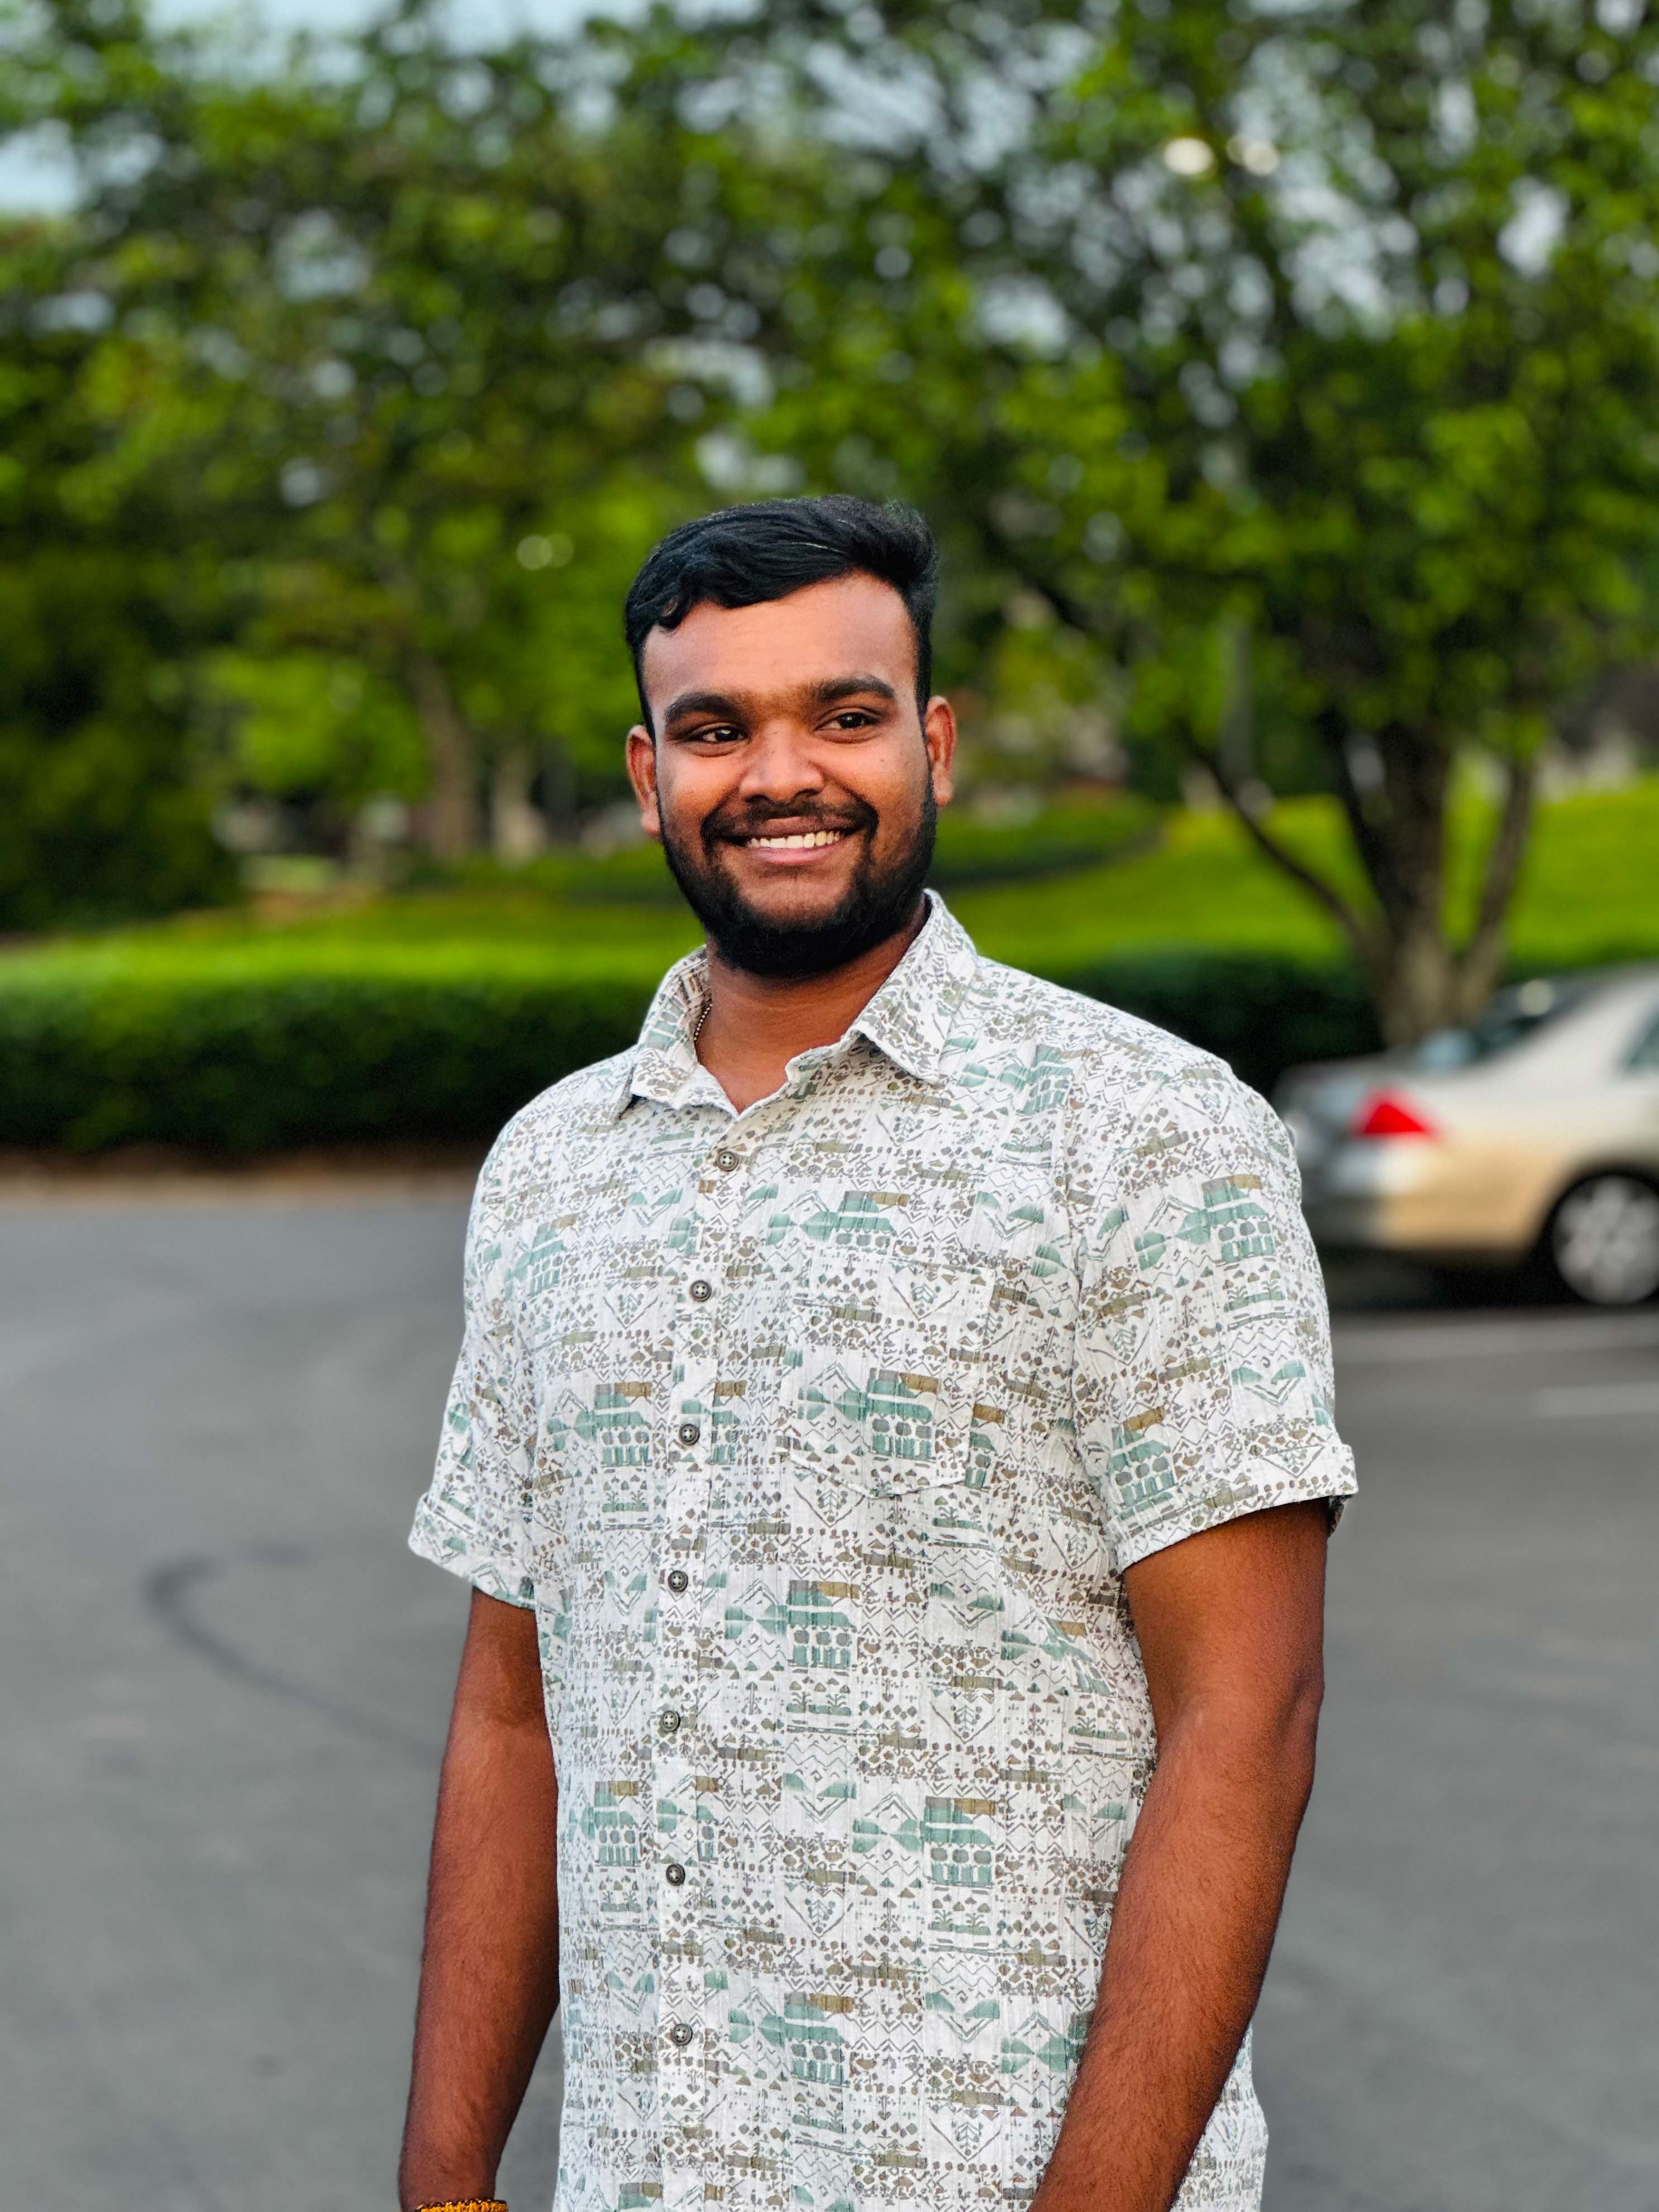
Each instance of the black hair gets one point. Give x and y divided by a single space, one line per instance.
740 556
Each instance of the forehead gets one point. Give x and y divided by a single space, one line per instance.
823 632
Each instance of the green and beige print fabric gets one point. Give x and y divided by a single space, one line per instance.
819 1437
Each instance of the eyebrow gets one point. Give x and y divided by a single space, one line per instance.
823 693
848 687
703 702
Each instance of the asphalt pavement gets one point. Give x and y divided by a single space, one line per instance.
226 1686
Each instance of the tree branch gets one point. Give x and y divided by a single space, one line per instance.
1073 612
1374 855
1482 957
1361 934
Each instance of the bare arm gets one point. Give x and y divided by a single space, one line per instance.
489 1975
1230 1624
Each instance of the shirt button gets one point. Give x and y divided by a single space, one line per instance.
678 1580
681 2032
702 1293
689 1432
676 1874
668 1722
725 1160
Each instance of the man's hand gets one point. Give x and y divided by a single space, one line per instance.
489 1975
1230 1624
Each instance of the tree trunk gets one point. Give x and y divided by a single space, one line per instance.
1415 982
1423 980
559 793
1483 960
1420 980
453 821
1398 820
518 830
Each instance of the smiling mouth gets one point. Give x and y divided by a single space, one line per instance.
797 841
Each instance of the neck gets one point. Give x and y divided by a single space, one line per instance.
756 1024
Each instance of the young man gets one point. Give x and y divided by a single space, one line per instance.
892 1454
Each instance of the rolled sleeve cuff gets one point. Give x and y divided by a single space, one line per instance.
1254 1486
449 1545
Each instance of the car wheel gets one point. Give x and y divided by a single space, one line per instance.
1604 1240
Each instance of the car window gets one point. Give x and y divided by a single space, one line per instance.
1645 1059
1503 1023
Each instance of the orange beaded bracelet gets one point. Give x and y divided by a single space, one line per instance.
466 2204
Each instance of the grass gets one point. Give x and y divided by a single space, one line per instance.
1591 893
1591 887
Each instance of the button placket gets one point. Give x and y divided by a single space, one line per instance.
679 1949
695 1372
678 1897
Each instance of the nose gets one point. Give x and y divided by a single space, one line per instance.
779 765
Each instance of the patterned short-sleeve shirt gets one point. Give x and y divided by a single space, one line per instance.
820 1437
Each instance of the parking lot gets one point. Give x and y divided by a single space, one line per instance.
227 1681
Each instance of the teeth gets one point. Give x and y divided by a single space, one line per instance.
799 842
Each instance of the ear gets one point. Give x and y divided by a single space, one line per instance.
939 731
642 774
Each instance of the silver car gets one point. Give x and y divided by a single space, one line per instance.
1532 1134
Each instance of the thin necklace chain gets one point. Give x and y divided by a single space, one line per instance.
701 1018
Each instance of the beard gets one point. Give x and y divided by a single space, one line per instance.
879 902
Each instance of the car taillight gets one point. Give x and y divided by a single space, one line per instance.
1385 1114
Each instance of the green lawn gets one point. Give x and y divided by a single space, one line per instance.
1592 892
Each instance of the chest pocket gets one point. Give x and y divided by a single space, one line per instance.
884 1363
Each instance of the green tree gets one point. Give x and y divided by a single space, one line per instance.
101 810
1300 356
435 368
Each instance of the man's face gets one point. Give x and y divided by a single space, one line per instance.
793 781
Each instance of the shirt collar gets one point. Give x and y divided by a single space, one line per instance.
911 1019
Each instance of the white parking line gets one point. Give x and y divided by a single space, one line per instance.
1358 1345
1575 1401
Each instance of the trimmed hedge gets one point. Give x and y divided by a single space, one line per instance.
257 1059
295 1046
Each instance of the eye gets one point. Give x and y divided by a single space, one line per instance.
717 733
852 718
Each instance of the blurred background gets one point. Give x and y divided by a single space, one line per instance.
1282 381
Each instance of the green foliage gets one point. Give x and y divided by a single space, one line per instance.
1331 330
1057 842
96 825
1038 701
299 1043
1283 385
392 343
100 815
447 286
250 1056
311 722
103 812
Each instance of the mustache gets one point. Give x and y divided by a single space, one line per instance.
731 824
